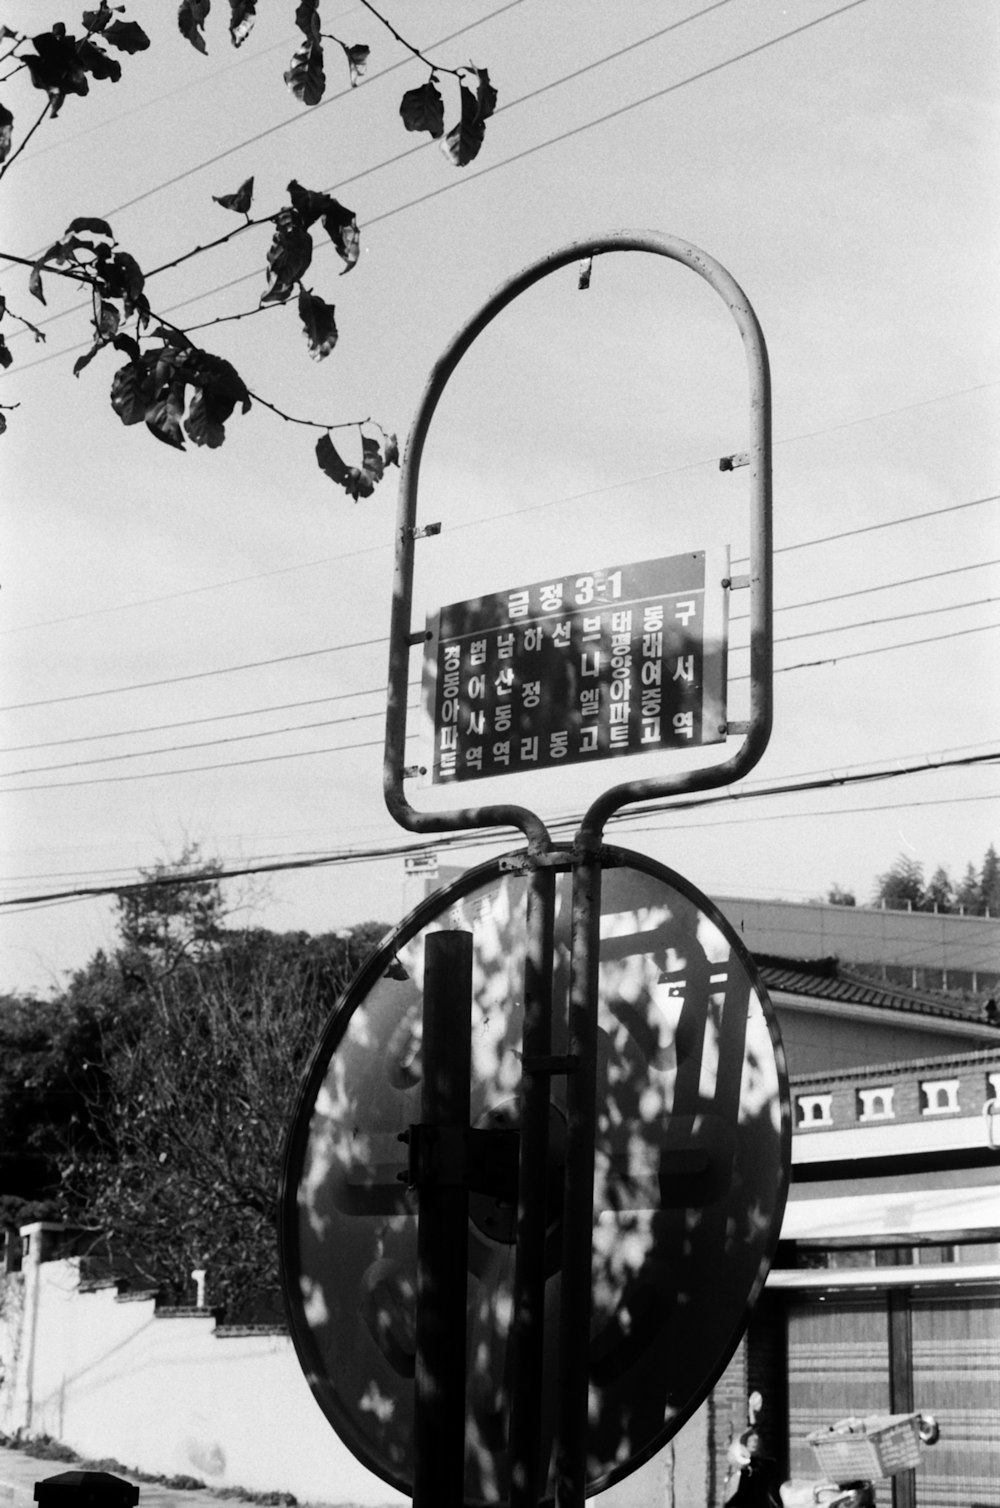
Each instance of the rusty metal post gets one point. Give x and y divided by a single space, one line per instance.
578 1206
527 1468
443 1231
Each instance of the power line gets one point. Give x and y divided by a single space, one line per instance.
189 722
556 140
515 157
397 157
860 654
469 840
198 769
194 675
535 507
865 591
368 643
843 628
209 743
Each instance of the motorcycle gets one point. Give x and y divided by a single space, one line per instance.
883 1444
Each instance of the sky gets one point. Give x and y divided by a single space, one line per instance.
194 643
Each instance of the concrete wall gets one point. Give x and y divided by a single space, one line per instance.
107 1375
961 946
168 1392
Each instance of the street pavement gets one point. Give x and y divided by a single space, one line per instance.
19 1472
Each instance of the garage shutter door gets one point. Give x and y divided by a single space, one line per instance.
956 1376
838 1364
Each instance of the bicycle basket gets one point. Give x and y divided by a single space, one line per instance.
878 1446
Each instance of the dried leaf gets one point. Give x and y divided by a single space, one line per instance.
218 387
240 201
357 61
463 141
191 21
88 356
127 36
107 321
5 354
486 95
357 481
6 132
164 415
339 222
331 463
319 324
96 61
128 391
55 66
305 76
289 256
97 20
83 225
241 20
341 226
307 18
423 109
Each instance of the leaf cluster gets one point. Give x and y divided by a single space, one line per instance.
170 383
63 64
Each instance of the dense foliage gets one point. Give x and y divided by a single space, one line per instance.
902 887
169 383
148 1103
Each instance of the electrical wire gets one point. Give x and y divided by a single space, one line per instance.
865 591
492 835
191 722
193 675
500 517
209 743
507 161
843 628
368 643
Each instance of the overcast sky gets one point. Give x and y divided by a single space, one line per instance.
839 159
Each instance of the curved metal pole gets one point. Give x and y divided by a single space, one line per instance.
401 636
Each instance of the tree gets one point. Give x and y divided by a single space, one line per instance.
969 895
940 893
838 897
176 914
989 881
179 390
185 1174
901 888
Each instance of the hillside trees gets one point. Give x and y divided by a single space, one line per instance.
147 1104
185 1171
902 887
169 382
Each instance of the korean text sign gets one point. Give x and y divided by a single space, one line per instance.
620 660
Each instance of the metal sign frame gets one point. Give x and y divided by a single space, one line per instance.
585 861
402 635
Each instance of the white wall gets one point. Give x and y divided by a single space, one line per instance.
108 1376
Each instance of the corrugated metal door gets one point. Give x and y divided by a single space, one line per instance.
956 1377
838 1364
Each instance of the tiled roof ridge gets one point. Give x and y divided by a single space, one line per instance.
847 985
908 1067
